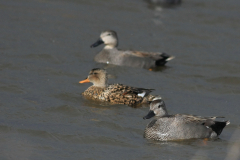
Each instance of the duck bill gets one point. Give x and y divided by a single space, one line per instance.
97 43
84 81
149 115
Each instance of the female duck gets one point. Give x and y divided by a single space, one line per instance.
176 127
111 55
114 93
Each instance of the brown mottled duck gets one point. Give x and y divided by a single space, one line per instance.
114 93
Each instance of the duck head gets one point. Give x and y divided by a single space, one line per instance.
96 76
157 108
109 38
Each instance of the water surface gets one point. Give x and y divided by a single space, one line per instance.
45 50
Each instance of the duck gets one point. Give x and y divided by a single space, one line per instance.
110 54
114 93
167 127
164 3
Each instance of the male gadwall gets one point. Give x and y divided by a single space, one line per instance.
177 127
164 3
111 55
114 93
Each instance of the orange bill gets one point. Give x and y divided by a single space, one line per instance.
84 81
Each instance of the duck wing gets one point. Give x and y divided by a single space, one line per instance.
197 119
209 122
119 93
159 59
153 55
124 90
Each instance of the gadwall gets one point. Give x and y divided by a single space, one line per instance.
178 127
114 93
111 55
164 3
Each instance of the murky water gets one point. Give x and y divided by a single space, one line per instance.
45 50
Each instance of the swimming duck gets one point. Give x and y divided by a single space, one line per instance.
114 93
179 126
111 55
164 3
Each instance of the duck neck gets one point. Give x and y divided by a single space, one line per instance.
109 46
101 84
162 113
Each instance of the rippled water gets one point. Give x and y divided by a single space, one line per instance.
45 50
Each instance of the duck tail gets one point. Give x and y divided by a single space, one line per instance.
227 122
148 99
164 59
218 126
170 58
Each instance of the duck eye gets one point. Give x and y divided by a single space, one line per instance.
109 34
159 106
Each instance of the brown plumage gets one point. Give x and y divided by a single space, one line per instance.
114 93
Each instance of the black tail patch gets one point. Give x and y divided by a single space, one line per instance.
218 127
162 61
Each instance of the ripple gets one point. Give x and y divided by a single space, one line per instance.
226 80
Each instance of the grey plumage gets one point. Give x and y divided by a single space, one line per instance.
111 55
176 127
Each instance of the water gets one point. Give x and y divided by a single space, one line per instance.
45 50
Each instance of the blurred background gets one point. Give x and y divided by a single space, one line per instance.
45 51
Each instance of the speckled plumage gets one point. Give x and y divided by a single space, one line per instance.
178 127
111 55
114 93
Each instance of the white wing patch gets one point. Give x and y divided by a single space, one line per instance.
142 94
